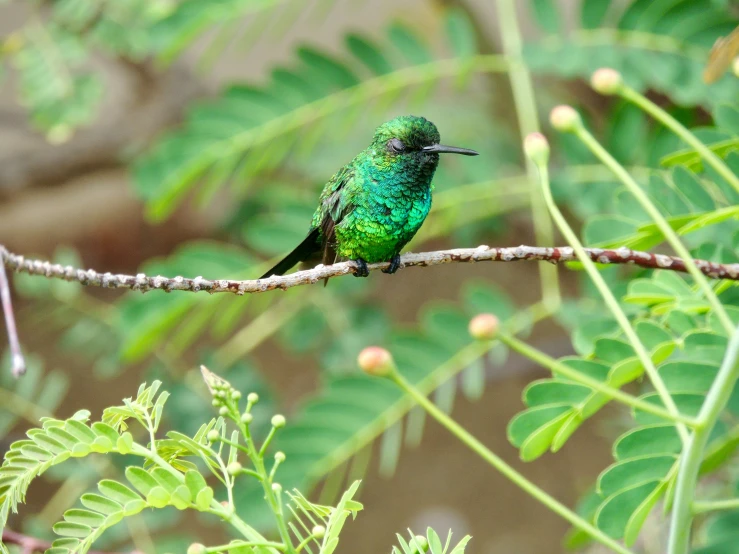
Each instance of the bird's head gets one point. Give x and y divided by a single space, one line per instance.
413 139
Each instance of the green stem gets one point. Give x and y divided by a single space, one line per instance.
497 463
618 395
659 220
528 122
681 131
610 301
715 505
692 456
266 480
243 544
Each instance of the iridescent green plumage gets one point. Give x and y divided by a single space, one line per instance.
374 205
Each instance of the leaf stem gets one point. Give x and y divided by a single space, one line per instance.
497 463
681 131
557 367
669 234
610 299
692 456
715 505
266 479
243 544
528 122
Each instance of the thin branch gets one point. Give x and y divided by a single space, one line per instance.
145 283
18 362
29 545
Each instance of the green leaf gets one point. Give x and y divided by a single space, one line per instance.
592 12
461 33
369 54
158 497
546 15
407 42
100 504
204 498
117 491
634 471
613 515
647 440
84 517
690 186
140 479
526 423
195 482
67 529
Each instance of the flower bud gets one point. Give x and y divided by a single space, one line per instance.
196 548
216 402
484 327
213 435
247 418
236 395
565 118
223 411
278 421
421 542
276 487
607 81
233 468
536 147
279 457
375 361
735 66
318 531
252 397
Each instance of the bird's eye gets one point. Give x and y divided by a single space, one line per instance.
396 145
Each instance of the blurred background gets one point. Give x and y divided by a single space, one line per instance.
193 138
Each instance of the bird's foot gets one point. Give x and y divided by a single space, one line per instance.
394 265
362 270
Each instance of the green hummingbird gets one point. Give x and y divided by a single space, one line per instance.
372 207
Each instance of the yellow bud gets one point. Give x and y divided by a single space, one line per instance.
565 118
375 361
536 147
607 81
484 326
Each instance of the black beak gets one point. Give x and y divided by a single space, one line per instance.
440 149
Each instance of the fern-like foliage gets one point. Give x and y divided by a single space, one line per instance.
55 442
431 543
250 130
661 45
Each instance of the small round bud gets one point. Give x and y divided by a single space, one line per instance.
278 421
253 397
233 468
565 118
213 435
216 402
536 147
318 531
276 487
421 542
484 326
223 411
279 457
607 81
247 418
220 394
375 361
236 395
196 548
735 66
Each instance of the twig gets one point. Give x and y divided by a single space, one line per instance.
18 363
29 545
483 253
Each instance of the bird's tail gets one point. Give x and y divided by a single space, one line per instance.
300 253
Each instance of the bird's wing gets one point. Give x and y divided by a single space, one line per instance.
335 204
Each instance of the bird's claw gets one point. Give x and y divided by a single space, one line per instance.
362 270
394 265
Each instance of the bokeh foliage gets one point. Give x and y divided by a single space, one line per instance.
268 147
